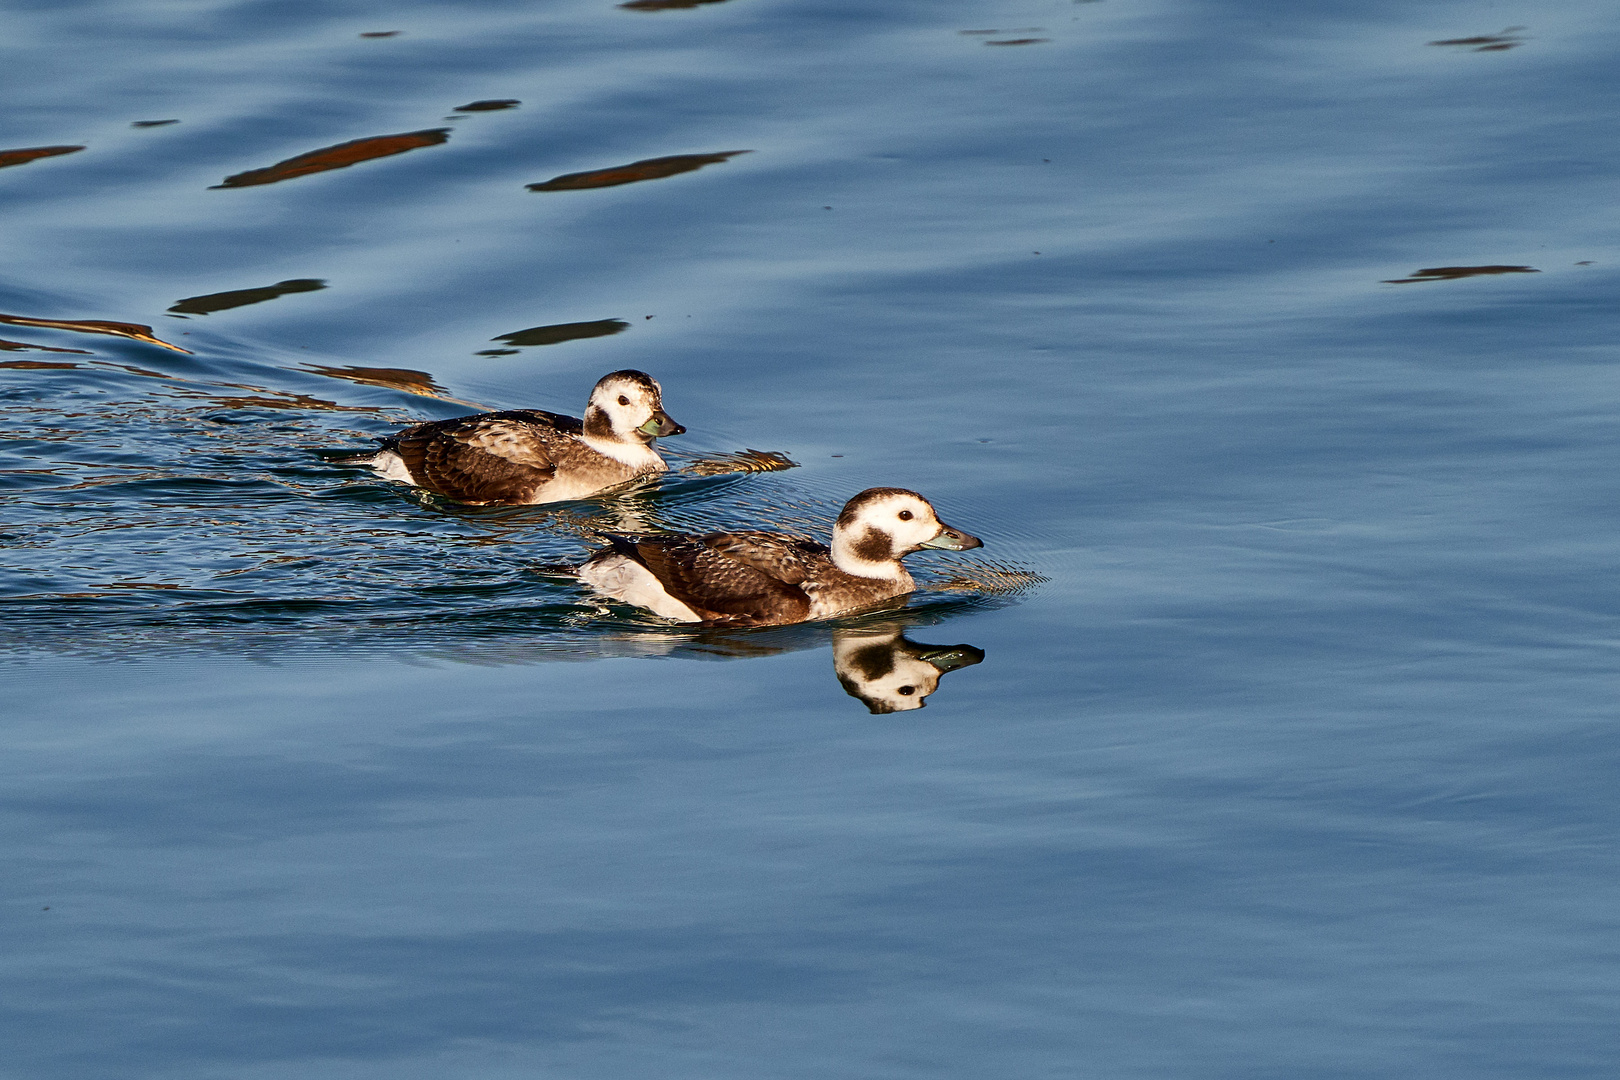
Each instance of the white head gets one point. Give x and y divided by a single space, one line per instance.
628 407
880 526
891 674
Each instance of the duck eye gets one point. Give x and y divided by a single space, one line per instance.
905 515
623 400
907 691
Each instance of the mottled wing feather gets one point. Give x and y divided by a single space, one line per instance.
714 582
781 557
568 425
492 458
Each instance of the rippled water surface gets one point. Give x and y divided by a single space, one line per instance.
1271 351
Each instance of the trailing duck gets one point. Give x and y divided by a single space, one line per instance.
526 456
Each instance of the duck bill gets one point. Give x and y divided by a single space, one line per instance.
950 539
660 426
951 657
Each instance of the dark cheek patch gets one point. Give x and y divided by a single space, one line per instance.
597 423
872 661
874 546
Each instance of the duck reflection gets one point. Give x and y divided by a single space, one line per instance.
889 672
873 659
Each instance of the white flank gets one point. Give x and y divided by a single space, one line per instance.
623 578
390 466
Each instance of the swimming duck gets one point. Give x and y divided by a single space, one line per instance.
526 456
768 579
891 673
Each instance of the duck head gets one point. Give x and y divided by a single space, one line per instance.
881 526
628 407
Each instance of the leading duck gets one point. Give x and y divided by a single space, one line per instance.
769 579
525 456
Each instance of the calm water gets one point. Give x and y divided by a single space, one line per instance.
1299 762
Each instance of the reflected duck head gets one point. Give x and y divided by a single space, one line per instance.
628 407
890 673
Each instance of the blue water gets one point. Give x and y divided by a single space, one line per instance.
1292 752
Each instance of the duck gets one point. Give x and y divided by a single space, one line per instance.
522 457
751 578
890 673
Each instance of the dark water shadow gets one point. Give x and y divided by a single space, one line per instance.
1452 273
17 346
406 380
666 5
222 301
24 156
340 156
649 169
559 332
1510 38
747 460
152 123
491 105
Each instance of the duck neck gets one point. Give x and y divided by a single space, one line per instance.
859 556
631 449
632 452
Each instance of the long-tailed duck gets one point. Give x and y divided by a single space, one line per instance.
891 673
768 579
526 456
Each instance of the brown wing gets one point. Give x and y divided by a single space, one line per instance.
491 458
706 574
781 557
568 425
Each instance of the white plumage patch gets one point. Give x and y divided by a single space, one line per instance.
637 455
390 466
625 579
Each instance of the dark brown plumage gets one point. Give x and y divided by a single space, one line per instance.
501 457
